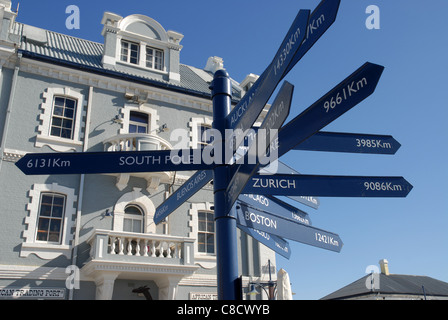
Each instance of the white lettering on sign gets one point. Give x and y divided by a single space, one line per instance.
238 113
48 163
283 248
187 187
346 92
373 143
382 186
274 183
260 199
286 50
326 239
260 219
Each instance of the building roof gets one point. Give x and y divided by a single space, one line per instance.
393 284
74 52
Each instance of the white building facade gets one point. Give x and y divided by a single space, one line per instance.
93 236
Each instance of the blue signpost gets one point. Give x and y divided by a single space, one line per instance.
257 212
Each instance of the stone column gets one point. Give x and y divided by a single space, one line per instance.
105 285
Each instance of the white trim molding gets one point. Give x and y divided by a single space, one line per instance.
60 144
48 251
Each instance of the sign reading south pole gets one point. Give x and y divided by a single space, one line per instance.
112 162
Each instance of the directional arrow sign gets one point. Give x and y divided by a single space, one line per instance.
328 186
276 116
274 207
350 143
252 218
249 108
281 168
112 162
185 192
318 23
354 89
320 20
275 243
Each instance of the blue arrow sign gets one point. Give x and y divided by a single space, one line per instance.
274 207
185 192
275 243
320 20
259 220
281 168
354 89
249 108
275 118
350 143
328 186
113 162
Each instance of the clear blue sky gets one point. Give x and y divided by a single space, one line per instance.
410 104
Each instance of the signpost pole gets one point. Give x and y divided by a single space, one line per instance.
225 222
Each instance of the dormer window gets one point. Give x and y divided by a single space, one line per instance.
154 58
130 52
138 44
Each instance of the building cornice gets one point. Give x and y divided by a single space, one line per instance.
84 76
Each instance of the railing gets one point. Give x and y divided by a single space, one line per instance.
136 142
152 248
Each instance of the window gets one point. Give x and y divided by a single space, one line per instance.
63 118
133 219
206 232
154 58
138 122
130 52
50 219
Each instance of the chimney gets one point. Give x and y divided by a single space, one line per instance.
384 264
214 64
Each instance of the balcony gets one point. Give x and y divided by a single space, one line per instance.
139 142
163 259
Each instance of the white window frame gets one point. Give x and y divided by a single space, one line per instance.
51 218
207 232
129 50
194 227
125 112
137 198
48 250
143 46
195 125
134 217
44 137
154 64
